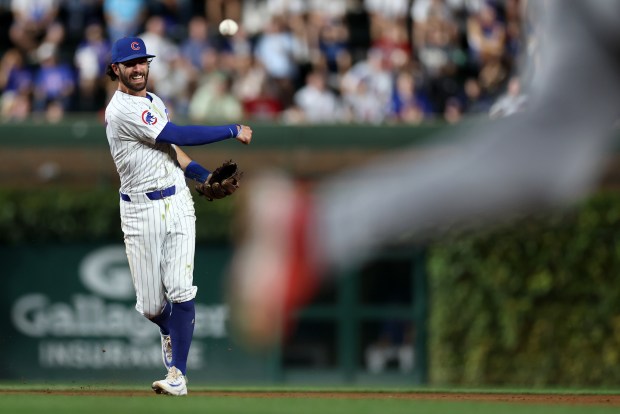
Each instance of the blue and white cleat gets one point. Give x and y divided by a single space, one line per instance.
175 383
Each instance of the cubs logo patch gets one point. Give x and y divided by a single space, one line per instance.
148 118
135 46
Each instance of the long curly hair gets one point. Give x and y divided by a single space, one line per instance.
110 72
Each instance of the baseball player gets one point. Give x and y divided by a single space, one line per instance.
545 157
156 207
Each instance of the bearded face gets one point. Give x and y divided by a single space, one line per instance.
134 74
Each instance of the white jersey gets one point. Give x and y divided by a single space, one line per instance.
159 234
132 125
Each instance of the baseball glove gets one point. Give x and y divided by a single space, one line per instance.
222 182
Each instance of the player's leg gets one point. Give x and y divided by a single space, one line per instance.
143 235
177 274
273 270
177 267
162 320
545 157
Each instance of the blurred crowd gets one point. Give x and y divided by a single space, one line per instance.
292 61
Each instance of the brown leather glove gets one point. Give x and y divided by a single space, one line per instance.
222 182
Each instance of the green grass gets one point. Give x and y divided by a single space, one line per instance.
16 399
138 405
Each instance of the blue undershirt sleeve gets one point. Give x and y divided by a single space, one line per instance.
197 172
188 135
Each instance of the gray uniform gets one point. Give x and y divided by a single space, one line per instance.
545 157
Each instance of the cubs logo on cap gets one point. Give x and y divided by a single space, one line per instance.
129 48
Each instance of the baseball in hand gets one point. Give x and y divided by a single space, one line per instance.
228 27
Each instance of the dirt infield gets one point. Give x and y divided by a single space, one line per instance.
524 398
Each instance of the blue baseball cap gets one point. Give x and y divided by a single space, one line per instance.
129 48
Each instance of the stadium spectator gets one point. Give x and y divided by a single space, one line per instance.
215 102
176 14
384 14
54 83
486 36
265 106
286 8
31 19
476 101
123 17
319 15
362 105
409 103
54 39
438 48
425 13
177 88
375 74
493 77
197 42
91 58
317 103
250 77
277 50
450 41
15 77
441 59
254 16
393 344
161 46
16 83
333 45
78 15
218 10
453 110
393 43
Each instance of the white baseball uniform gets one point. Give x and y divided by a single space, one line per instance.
157 209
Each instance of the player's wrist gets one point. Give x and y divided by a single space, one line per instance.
196 172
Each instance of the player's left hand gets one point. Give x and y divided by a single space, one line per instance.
245 135
222 182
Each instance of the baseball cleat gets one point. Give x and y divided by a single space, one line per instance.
175 383
166 350
272 273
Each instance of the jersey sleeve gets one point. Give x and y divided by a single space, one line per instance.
141 119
